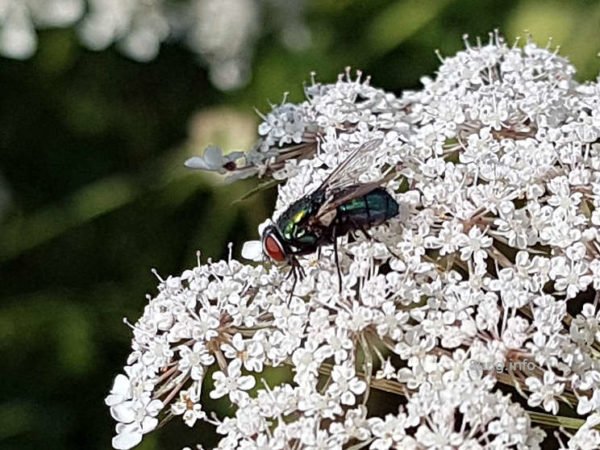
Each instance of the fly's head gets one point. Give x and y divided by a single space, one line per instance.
274 246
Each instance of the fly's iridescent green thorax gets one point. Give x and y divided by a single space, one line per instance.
293 223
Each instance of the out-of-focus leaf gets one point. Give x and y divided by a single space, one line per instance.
543 20
16 418
399 21
573 26
94 200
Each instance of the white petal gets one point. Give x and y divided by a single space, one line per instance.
196 162
246 382
17 37
233 156
114 399
234 369
121 385
141 44
126 440
123 412
252 250
149 424
58 13
154 407
213 156
584 406
217 392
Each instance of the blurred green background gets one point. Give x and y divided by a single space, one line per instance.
93 192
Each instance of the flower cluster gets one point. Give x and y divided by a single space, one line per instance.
222 32
494 260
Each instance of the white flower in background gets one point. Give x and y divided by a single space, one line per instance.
19 18
479 298
222 32
138 26
214 160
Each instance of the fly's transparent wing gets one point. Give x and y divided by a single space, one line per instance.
344 175
341 186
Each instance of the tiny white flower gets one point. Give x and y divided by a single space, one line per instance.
544 392
213 160
250 353
346 385
253 251
189 407
232 383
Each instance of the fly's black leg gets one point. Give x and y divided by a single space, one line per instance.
337 260
297 272
365 233
295 275
362 229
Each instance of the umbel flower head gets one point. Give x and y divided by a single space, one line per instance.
474 312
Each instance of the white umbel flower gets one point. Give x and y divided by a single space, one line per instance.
482 290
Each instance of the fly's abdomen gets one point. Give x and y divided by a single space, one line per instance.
367 211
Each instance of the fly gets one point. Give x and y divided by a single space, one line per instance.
334 209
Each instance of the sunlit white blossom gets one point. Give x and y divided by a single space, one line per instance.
232 383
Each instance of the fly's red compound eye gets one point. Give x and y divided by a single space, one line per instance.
273 247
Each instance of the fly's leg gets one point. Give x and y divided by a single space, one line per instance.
337 260
365 233
363 230
297 272
295 275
